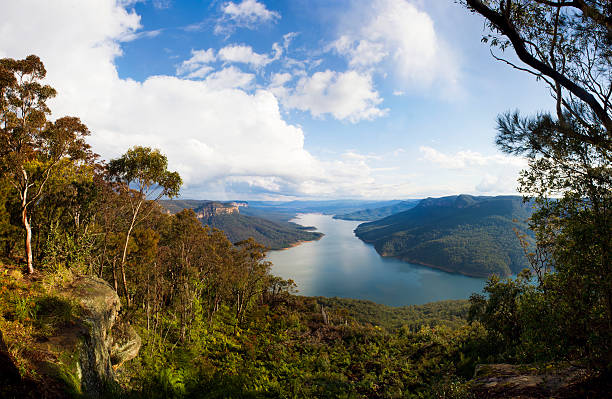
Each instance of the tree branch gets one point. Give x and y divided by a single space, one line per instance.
504 25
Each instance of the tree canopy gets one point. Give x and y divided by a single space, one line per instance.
31 147
568 314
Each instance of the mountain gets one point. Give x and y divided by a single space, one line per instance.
328 207
379 213
226 216
461 234
274 235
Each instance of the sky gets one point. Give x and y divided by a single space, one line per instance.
287 99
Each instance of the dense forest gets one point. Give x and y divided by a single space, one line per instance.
215 323
273 234
476 236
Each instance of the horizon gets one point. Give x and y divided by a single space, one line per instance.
341 199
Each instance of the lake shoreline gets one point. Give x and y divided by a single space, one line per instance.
298 243
344 266
417 262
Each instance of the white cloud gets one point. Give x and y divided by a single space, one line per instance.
230 78
345 95
489 183
197 66
463 159
397 32
131 36
243 54
225 141
247 14
474 172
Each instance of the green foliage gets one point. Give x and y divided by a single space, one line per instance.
289 350
270 229
567 313
274 235
452 313
32 148
470 235
147 169
25 309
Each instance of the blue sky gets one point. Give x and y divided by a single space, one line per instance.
256 99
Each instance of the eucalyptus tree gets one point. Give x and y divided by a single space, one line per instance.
142 174
567 45
32 147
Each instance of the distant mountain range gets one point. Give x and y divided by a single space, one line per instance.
379 213
226 216
462 234
328 207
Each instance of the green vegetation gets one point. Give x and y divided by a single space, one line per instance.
273 234
463 234
378 213
566 314
215 323
452 313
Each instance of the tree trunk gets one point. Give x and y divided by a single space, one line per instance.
115 274
28 237
125 247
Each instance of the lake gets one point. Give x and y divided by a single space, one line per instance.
341 265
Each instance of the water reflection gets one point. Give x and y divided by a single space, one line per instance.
341 265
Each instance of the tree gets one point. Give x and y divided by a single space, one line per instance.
31 147
142 173
568 46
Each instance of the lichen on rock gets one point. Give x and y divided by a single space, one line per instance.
84 351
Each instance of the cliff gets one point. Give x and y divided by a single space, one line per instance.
212 209
80 358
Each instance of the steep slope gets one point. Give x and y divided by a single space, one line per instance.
274 235
462 234
378 213
273 232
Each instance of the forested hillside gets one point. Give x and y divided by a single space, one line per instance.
378 213
274 234
462 234
211 321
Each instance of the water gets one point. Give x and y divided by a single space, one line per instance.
342 265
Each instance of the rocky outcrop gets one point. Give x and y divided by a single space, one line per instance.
125 344
526 382
212 209
84 353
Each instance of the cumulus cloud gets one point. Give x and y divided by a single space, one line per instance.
198 65
247 14
243 54
230 78
219 136
398 33
345 95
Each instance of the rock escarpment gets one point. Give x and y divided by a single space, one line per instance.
79 360
98 341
